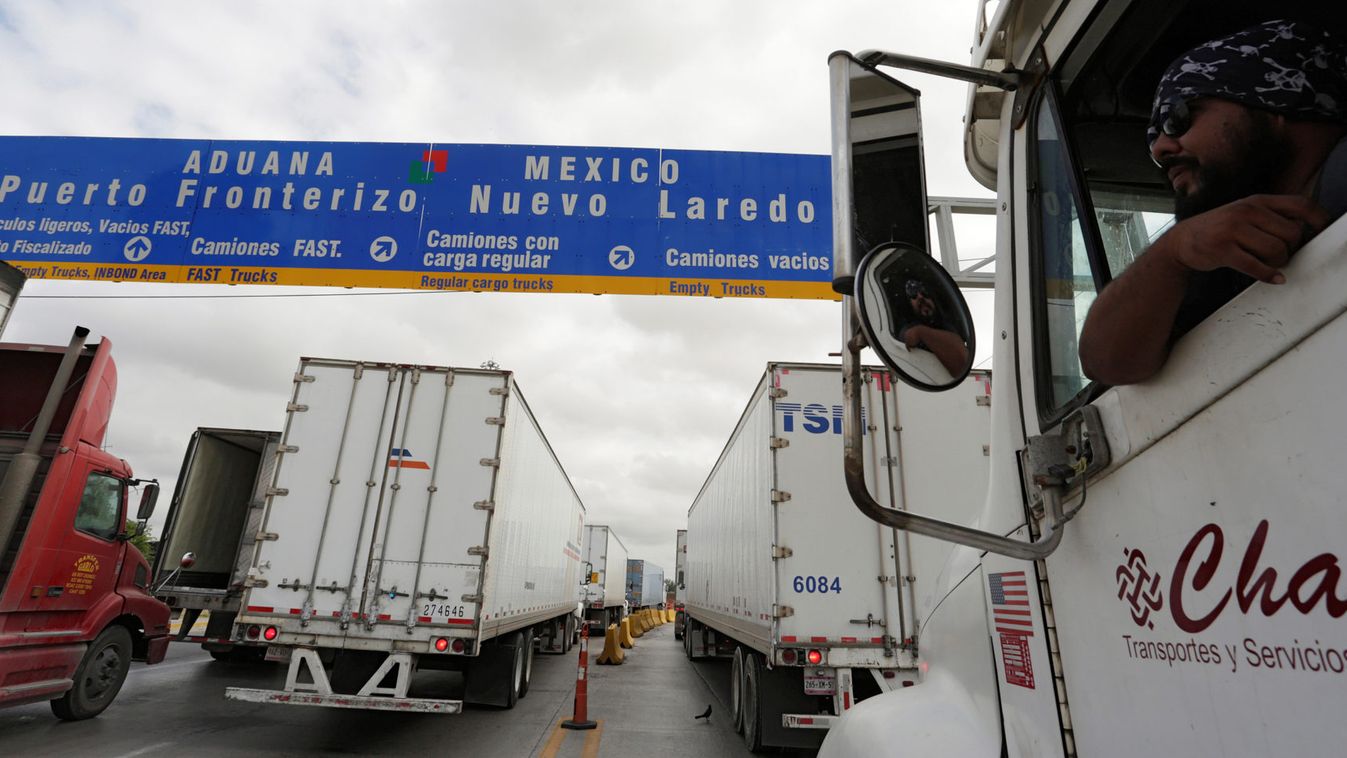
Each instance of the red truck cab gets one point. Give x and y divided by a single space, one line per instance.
75 602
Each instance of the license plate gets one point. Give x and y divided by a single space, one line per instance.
820 682
278 654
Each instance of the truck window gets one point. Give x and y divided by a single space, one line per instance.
1078 251
100 509
1065 281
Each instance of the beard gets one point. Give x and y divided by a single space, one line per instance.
1257 157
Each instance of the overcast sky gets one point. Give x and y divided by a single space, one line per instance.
636 394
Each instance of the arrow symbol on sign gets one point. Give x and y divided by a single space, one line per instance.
137 248
621 257
383 249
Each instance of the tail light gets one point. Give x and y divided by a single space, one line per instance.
253 631
441 644
269 634
459 646
788 657
815 657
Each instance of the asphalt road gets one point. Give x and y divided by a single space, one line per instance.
177 708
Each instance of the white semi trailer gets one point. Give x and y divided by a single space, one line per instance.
819 606
605 596
417 518
207 543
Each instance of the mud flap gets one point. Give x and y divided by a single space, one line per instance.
781 690
489 676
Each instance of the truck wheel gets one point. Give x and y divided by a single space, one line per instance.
98 678
515 643
737 690
751 718
569 632
528 662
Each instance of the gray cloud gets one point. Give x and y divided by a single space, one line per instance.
637 395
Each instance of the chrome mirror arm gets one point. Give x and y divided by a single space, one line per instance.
854 470
1008 80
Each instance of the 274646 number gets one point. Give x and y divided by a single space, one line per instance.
446 611
817 584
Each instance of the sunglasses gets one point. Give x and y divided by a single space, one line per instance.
1177 121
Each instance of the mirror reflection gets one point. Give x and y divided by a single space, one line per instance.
914 317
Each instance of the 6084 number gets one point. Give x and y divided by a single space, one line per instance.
818 584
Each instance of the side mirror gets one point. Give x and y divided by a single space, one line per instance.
188 560
914 316
878 171
148 497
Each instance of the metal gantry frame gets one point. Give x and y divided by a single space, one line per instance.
973 276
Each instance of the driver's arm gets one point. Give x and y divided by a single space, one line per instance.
1128 331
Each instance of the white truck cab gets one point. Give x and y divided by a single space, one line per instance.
1156 570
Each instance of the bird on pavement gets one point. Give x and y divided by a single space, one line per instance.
706 715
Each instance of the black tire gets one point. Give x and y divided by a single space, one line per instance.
515 644
737 690
569 630
98 677
528 662
752 719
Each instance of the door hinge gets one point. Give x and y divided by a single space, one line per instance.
277 492
782 611
779 551
777 392
484 505
496 420
267 537
779 442
296 407
490 461
888 460
303 378
780 496
984 400
287 448
472 599
500 391
478 550
253 582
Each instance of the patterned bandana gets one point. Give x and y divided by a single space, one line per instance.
1287 67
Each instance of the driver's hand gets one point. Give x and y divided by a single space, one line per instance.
1255 235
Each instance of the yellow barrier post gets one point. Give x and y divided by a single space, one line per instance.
637 628
612 654
624 634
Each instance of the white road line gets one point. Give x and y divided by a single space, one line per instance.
144 750
161 666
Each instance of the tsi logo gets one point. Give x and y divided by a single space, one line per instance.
815 418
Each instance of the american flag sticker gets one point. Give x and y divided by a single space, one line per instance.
1014 624
1010 603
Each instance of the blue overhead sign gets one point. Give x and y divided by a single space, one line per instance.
512 218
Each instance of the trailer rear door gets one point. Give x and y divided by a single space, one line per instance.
381 504
836 572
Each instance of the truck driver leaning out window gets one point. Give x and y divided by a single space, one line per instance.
1250 131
